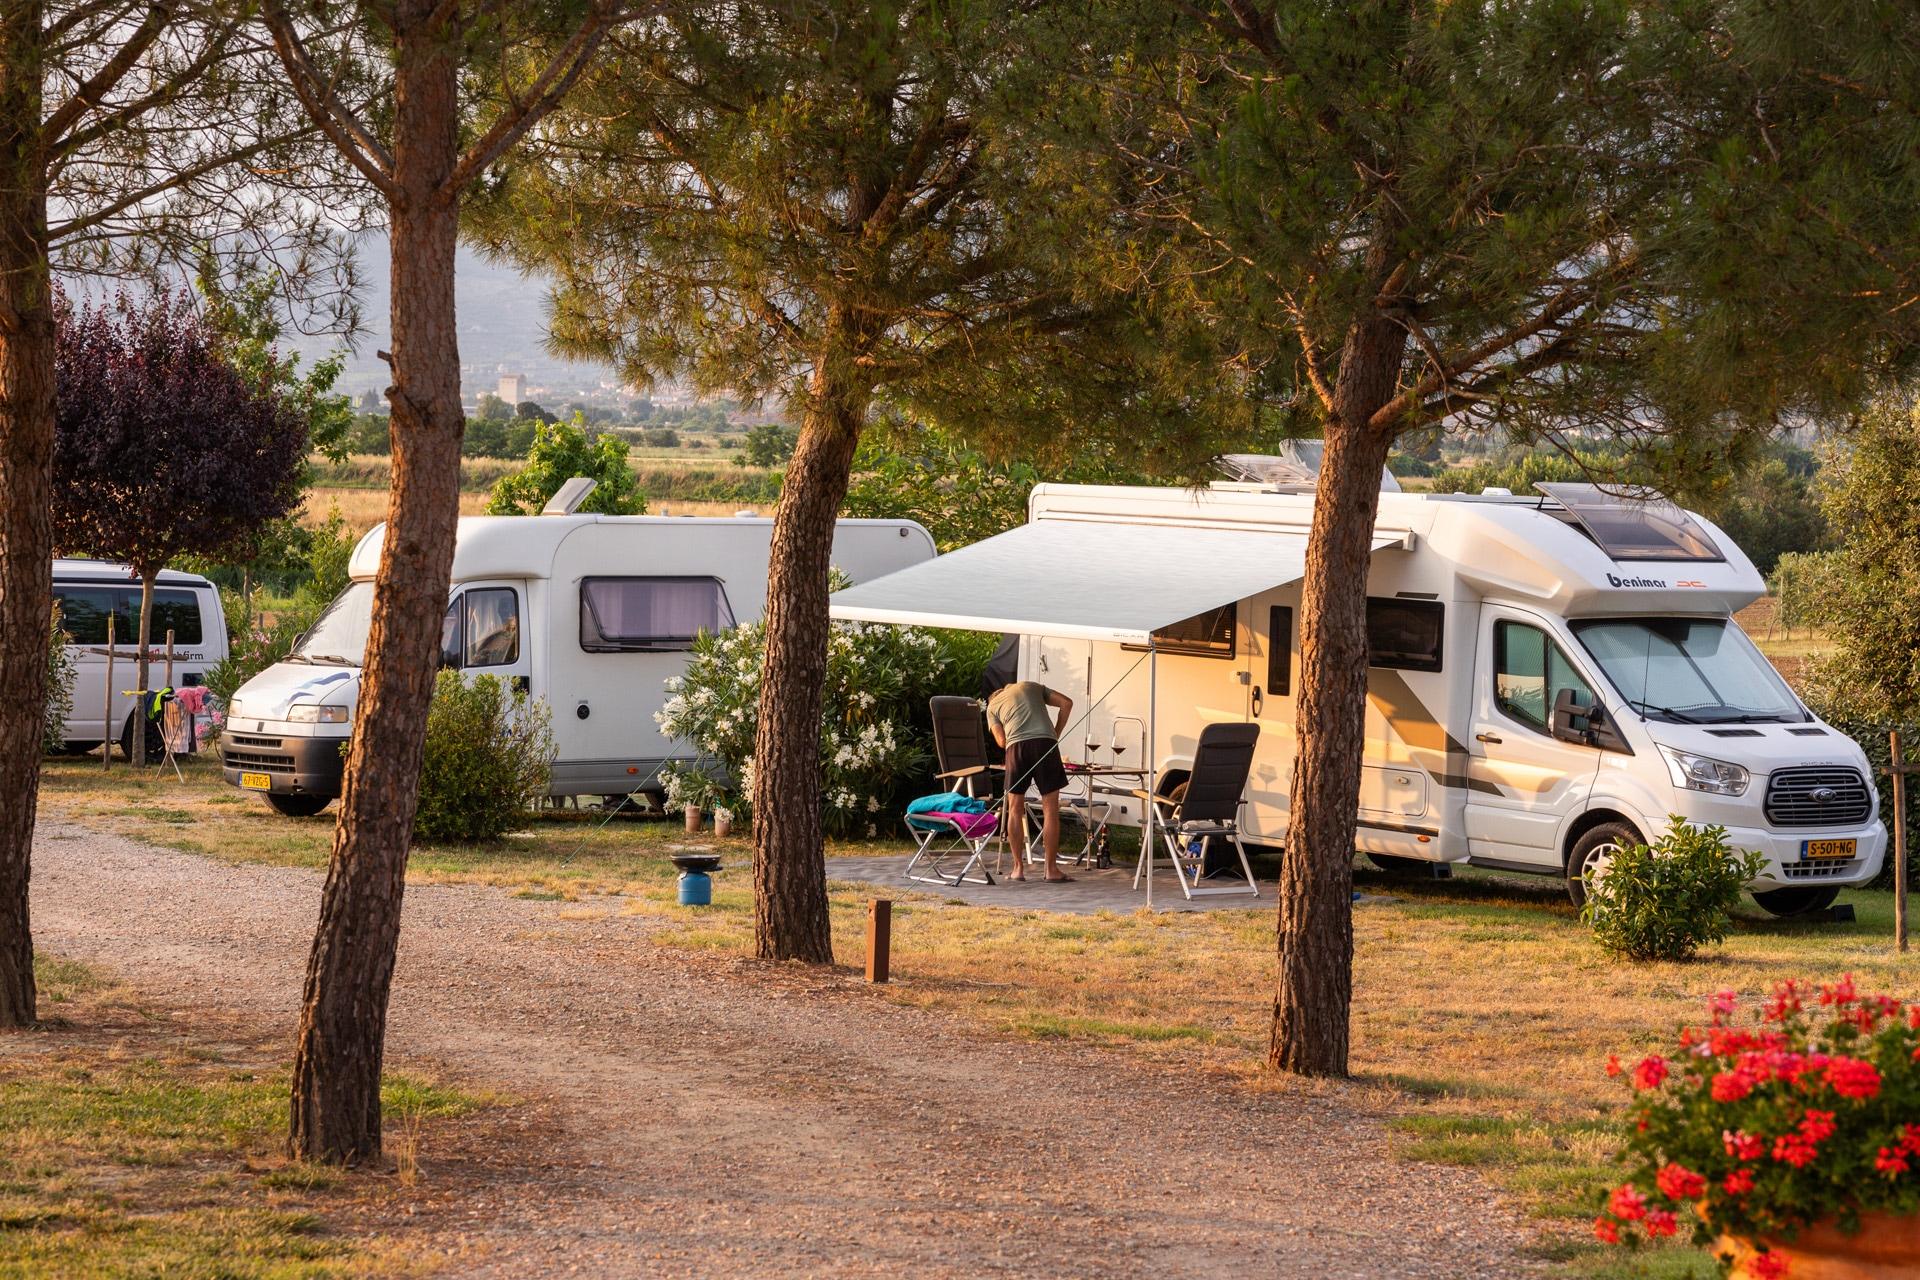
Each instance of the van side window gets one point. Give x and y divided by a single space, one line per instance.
1405 635
649 615
1205 635
450 632
1280 650
492 623
84 609
1529 670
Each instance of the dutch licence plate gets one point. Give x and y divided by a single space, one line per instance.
264 782
1810 849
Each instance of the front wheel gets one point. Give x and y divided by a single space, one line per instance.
1591 852
298 806
1788 903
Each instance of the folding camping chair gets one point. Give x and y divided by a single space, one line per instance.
944 826
1208 808
960 747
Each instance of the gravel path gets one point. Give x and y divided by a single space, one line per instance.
713 1117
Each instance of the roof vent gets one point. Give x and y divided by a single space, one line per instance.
1496 491
746 513
570 495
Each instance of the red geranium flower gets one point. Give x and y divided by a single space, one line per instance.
1768 1265
1651 1070
1731 1086
1743 1146
1607 1229
1737 1183
1838 993
1890 1162
1613 1064
1853 1078
1627 1204
1660 1222
1677 1182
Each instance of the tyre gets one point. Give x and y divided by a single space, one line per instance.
1788 903
1591 850
298 806
156 744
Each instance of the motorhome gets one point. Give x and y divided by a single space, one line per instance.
89 592
591 613
1549 675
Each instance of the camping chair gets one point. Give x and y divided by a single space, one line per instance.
1207 808
960 747
944 826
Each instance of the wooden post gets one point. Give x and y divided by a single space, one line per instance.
879 938
1899 771
106 716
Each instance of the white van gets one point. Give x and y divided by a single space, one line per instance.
1548 676
591 613
88 592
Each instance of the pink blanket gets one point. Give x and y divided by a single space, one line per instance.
971 825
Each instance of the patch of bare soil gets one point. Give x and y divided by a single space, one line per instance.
694 1115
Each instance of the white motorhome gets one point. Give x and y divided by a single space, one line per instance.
88 593
1549 676
591 613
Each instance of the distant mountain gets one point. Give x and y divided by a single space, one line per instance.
502 325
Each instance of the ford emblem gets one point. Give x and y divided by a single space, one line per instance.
1824 795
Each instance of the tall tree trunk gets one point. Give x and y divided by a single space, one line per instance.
337 1064
1314 992
26 485
789 857
143 665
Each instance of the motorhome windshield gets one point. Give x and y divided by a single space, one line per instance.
1689 670
339 635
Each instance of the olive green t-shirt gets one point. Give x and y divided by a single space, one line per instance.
1021 710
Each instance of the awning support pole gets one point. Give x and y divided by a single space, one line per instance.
1153 766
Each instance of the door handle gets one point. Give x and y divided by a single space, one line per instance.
1487 737
1258 701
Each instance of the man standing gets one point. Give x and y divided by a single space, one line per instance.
1019 715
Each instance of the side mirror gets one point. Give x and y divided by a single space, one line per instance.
1574 720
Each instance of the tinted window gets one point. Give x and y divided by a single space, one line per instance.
1280 650
649 614
492 627
1529 671
1405 634
1208 634
84 609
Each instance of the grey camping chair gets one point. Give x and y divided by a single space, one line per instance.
1207 808
960 747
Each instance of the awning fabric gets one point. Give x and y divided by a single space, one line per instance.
1081 579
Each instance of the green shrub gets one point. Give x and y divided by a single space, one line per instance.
60 677
561 451
1668 901
487 759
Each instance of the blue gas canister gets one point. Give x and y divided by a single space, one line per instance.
696 877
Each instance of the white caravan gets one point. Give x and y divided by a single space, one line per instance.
90 591
1548 676
591 613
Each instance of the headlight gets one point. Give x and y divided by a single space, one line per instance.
308 713
1703 773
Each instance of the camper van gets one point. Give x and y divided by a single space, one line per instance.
88 593
1549 676
591 613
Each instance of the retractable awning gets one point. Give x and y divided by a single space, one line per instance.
1092 581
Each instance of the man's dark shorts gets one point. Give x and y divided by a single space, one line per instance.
1034 763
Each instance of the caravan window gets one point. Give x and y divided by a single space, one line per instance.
1280 650
1207 635
84 610
1529 671
1405 635
622 615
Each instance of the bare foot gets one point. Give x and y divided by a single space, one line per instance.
1021 876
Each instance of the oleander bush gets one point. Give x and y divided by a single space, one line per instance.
1667 900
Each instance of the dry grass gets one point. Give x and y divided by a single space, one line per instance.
364 508
1483 1010
133 1144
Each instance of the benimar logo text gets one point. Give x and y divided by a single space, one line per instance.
1637 582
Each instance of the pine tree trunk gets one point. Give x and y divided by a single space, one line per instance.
26 486
143 664
789 854
337 1063
1314 993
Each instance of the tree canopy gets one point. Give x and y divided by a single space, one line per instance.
561 451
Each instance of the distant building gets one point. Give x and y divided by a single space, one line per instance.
513 388
370 401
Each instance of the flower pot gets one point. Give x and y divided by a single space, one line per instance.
723 825
1887 1246
693 819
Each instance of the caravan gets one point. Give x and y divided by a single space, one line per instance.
1548 676
591 613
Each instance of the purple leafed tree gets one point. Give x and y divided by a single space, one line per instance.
162 448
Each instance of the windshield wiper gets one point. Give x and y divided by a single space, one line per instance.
1680 716
298 657
333 658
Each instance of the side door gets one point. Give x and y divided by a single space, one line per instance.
1272 665
1522 781
484 633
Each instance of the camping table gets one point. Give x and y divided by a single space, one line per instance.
1095 812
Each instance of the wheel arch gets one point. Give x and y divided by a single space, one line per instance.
1588 819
